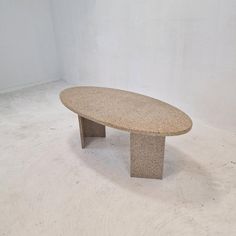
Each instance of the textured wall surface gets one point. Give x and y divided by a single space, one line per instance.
182 51
27 44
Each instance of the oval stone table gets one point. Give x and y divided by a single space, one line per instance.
147 119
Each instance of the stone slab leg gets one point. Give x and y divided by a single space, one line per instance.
90 128
147 156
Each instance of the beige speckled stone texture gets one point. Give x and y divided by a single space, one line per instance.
147 119
90 128
127 111
147 156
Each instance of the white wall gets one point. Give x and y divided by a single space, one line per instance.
182 51
27 44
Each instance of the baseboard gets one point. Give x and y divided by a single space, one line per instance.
18 87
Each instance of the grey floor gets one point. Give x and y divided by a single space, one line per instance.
50 186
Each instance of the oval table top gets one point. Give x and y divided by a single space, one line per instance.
127 111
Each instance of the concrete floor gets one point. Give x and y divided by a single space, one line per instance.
50 186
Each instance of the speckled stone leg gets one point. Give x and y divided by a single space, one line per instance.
147 156
90 128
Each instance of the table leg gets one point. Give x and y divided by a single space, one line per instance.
90 128
147 156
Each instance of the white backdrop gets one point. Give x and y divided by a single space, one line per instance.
27 44
182 51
